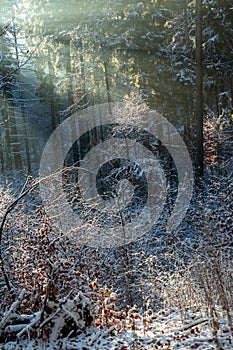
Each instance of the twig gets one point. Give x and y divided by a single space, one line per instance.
193 324
99 334
49 318
9 75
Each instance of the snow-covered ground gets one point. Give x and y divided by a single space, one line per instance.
167 329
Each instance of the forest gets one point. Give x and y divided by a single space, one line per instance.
116 191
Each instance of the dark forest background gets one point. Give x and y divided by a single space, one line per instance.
58 57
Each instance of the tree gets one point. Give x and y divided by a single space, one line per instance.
199 93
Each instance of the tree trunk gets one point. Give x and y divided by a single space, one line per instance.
106 76
186 28
199 94
51 90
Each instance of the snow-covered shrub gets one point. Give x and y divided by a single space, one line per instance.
56 277
57 319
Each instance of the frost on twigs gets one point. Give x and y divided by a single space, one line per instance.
56 320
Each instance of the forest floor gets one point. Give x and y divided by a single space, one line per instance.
167 329
209 261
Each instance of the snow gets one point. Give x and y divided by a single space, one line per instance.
167 329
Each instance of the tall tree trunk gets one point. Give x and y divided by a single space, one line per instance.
106 75
232 90
5 112
186 22
16 46
199 94
51 91
69 72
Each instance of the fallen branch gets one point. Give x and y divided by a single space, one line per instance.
8 314
100 334
193 324
29 326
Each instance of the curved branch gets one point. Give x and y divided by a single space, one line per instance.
10 207
13 204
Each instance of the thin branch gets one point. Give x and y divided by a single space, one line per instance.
193 324
13 204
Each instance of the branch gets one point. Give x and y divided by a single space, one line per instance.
6 27
100 335
3 80
11 206
193 324
29 326
12 308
